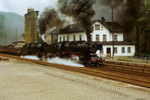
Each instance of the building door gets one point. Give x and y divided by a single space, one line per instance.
108 52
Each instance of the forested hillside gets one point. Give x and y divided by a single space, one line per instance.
8 24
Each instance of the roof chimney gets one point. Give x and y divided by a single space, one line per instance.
103 19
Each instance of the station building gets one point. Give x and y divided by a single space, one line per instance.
51 37
102 34
31 34
19 44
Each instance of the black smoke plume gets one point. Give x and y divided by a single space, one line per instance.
80 10
126 12
49 19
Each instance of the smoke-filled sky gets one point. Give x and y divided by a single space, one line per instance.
20 6
127 10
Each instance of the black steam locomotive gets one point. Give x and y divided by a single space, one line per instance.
84 51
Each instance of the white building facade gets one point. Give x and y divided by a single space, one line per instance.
102 34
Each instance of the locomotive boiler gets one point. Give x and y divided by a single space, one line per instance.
85 51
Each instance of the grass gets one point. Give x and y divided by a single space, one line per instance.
126 60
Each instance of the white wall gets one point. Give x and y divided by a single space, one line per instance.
119 50
106 32
100 32
119 35
84 38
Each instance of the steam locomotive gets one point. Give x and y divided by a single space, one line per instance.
80 51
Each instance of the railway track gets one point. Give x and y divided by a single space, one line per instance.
134 68
131 78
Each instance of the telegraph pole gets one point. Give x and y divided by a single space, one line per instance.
145 2
5 39
30 3
112 29
16 34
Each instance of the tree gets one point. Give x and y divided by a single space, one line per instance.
135 10
2 18
144 28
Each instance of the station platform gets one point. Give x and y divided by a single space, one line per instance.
132 60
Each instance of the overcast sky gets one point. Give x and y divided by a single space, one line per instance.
20 6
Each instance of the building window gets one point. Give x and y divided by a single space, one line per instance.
115 38
80 37
123 49
102 27
97 38
74 38
115 50
60 39
97 27
104 38
129 49
63 38
68 38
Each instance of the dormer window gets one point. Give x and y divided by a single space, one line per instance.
97 27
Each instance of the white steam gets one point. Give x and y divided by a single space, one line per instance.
56 60
43 37
31 57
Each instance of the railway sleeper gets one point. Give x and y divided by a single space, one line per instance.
147 71
134 69
128 64
129 68
147 66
